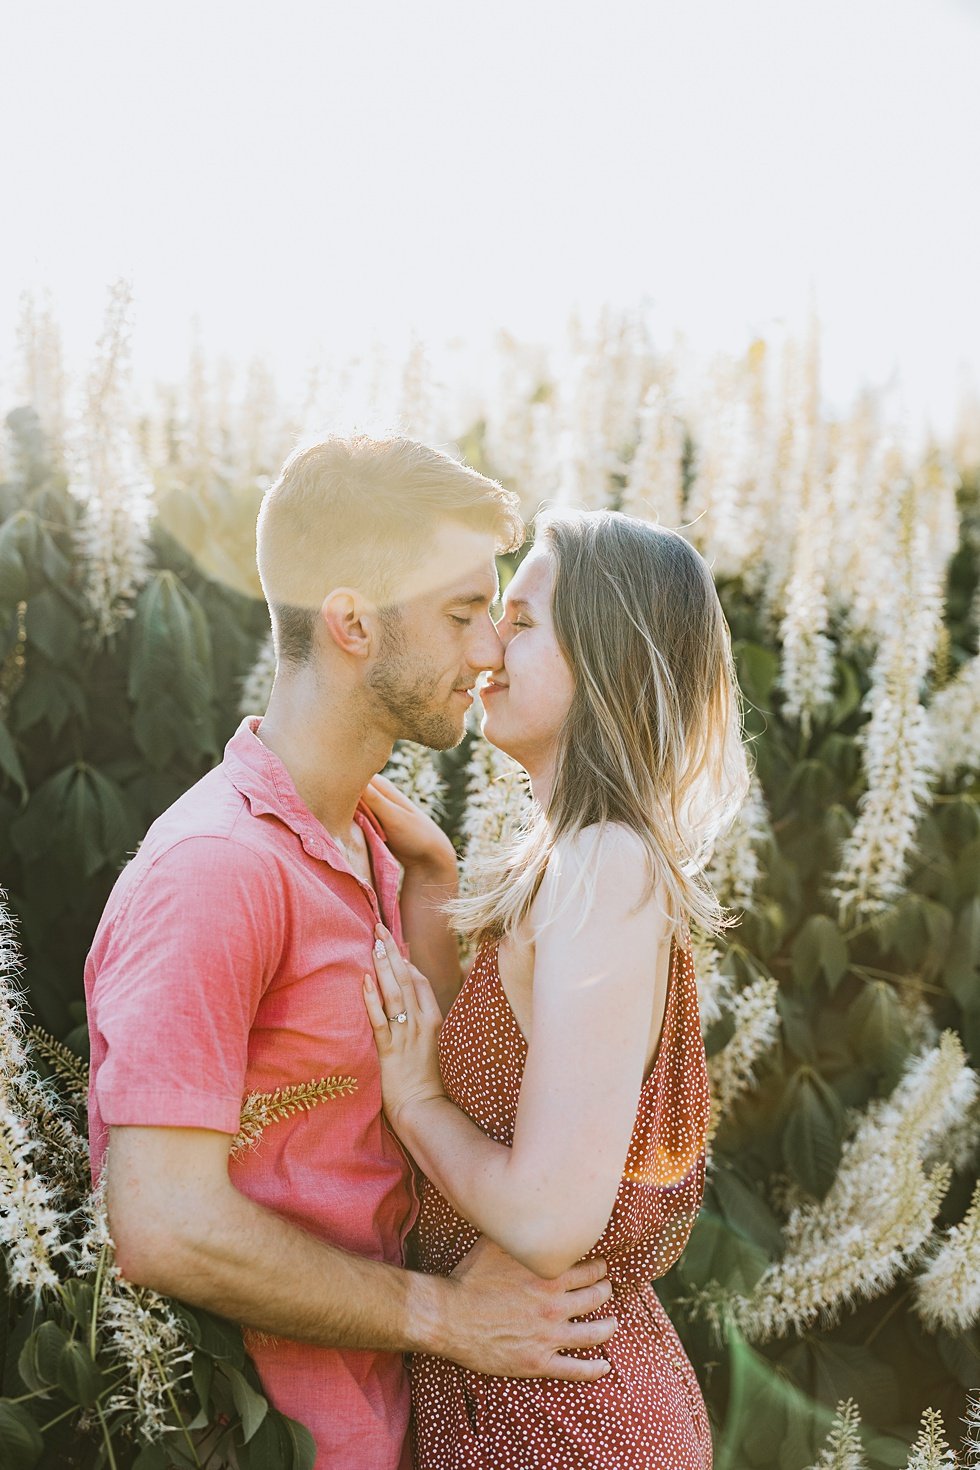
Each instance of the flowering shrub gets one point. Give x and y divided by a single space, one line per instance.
829 1293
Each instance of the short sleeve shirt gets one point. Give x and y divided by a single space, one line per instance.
229 960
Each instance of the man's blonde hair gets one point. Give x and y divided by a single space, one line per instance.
358 511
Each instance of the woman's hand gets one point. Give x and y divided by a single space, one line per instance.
405 1017
414 838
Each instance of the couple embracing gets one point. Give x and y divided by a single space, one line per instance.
542 1121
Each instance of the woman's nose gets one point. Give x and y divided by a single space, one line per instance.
488 653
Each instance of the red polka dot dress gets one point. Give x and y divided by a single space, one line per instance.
648 1412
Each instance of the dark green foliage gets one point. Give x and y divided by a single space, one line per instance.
96 740
55 1376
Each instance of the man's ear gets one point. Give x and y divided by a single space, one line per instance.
350 621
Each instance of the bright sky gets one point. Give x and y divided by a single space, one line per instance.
307 176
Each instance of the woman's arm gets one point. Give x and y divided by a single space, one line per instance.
547 1200
431 942
431 877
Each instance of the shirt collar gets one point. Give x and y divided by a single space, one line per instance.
260 776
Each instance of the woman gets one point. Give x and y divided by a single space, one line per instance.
561 1108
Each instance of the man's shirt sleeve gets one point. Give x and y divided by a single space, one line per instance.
184 966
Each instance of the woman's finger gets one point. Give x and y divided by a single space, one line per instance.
376 1013
388 788
425 996
397 961
387 794
392 993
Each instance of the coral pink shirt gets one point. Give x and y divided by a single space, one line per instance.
229 960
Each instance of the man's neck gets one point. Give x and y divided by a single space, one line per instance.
329 753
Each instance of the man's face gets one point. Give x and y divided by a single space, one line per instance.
439 639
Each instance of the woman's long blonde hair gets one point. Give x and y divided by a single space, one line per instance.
653 737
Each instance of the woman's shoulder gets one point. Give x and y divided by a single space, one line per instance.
612 844
601 870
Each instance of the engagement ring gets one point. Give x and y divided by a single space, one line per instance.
402 1016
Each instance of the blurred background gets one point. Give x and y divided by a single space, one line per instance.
298 184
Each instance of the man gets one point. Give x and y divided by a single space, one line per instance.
230 957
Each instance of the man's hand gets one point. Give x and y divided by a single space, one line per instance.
515 1324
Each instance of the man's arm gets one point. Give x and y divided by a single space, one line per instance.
181 1227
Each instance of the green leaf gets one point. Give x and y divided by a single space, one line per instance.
81 811
18 556
220 1338
38 1361
717 1251
746 1211
269 1448
10 760
757 671
251 1406
54 563
960 1351
78 1297
52 626
50 695
848 696
968 870
839 753
152 1457
811 1139
769 1423
938 922
301 1442
842 1368
819 947
811 782
171 646
797 1025
962 969
202 1375
886 1450
79 1376
21 1445
876 1027
187 1318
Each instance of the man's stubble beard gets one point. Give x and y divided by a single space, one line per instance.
403 686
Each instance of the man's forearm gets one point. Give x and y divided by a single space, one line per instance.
182 1228
247 1263
432 943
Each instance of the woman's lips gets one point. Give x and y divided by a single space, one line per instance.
489 689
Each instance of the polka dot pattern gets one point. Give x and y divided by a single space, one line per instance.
648 1412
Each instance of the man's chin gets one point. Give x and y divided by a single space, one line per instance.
443 734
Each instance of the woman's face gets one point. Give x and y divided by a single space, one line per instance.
528 698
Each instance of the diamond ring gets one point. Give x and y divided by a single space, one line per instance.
400 1018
